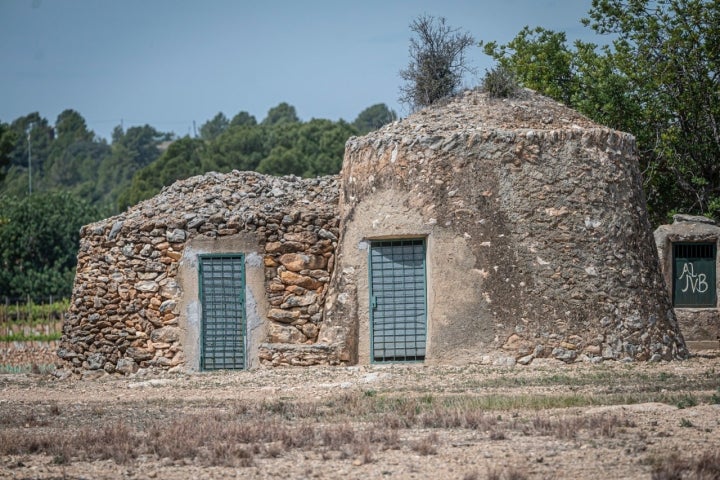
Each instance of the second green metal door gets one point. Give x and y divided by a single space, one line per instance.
398 304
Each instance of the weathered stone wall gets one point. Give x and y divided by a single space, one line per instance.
700 326
125 311
537 233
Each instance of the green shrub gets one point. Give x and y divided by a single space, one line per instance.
500 82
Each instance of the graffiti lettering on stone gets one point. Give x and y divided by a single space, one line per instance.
694 283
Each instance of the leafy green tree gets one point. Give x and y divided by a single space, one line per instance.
241 147
181 160
669 50
70 126
373 118
39 237
130 151
74 154
657 79
212 128
306 149
282 113
34 132
243 118
437 62
7 144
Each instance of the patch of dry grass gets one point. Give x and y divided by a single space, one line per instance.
673 467
351 424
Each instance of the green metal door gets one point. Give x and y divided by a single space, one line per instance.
694 275
222 295
397 300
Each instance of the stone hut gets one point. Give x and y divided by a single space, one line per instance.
496 230
481 230
688 256
217 271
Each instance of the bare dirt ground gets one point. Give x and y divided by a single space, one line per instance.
545 420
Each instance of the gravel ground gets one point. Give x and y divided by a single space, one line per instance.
546 420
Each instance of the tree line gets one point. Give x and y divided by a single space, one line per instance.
77 178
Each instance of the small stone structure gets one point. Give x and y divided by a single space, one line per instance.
700 325
135 300
538 242
526 225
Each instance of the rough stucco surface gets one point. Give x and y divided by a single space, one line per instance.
697 324
539 216
135 302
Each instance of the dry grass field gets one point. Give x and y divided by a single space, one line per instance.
548 420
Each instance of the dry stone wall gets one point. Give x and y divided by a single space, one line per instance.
125 313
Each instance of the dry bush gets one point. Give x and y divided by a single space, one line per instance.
335 435
568 427
673 467
509 473
114 441
427 445
227 454
383 436
299 437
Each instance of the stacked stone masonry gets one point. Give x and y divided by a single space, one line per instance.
125 306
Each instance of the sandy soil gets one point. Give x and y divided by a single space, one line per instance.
546 420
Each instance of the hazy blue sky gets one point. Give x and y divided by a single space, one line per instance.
171 62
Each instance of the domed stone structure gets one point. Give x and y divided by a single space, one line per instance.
493 230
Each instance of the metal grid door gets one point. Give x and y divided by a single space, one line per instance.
694 275
397 300
222 294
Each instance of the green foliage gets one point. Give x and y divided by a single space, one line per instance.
282 113
243 118
500 82
212 128
280 146
373 118
7 143
687 401
182 159
241 147
31 337
540 59
306 149
38 243
31 313
657 80
669 50
437 62
131 150
715 399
